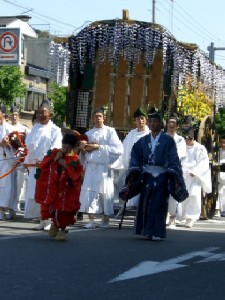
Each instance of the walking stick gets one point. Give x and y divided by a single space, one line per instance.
124 208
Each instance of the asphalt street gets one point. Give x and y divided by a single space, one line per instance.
102 264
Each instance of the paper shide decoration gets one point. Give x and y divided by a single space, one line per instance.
140 40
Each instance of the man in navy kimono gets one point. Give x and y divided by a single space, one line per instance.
153 156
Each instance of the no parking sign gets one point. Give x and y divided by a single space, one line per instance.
9 46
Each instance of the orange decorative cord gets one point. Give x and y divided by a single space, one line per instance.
13 168
16 140
29 165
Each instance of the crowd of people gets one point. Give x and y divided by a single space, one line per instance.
164 173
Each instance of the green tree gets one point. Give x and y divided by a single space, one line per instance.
11 84
57 94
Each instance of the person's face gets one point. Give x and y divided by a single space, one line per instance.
172 125
189 142
222 144
155 125
15 118
98 119
140 122
43 115
66 148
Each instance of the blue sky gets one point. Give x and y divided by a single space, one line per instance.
191 21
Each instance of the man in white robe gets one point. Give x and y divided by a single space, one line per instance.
20 173
15 120
140 120
171 129
44 135
7 202
197 176
103 149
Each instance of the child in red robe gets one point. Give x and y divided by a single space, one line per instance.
58 186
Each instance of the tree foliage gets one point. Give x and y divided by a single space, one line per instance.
11 84
220 121
193 102
43 33
57 94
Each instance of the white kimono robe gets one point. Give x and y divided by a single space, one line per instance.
197 163
221 187
21 128
38 142
181 146
97 191
21 173
7 183
173 205
132 137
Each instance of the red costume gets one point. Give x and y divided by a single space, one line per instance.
58 188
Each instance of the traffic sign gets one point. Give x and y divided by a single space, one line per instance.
8 42
9 46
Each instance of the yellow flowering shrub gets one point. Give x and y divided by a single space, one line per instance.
193 102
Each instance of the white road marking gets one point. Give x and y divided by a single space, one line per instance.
146 268
153 267
215 257
202 229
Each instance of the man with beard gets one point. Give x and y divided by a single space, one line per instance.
44 135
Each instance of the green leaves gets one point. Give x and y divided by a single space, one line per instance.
57 94
11 84
220 121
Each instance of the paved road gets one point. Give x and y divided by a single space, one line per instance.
112 264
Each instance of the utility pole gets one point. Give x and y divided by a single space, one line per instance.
171 16
212 50
153 11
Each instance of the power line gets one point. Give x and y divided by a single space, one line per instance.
189 25
36 14
185 21
181 21
202 29
220 56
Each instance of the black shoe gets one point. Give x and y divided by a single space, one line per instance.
80 216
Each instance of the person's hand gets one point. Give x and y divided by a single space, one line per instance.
130 179
58 156
5 141
38 164
92 147
62 162
82 145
